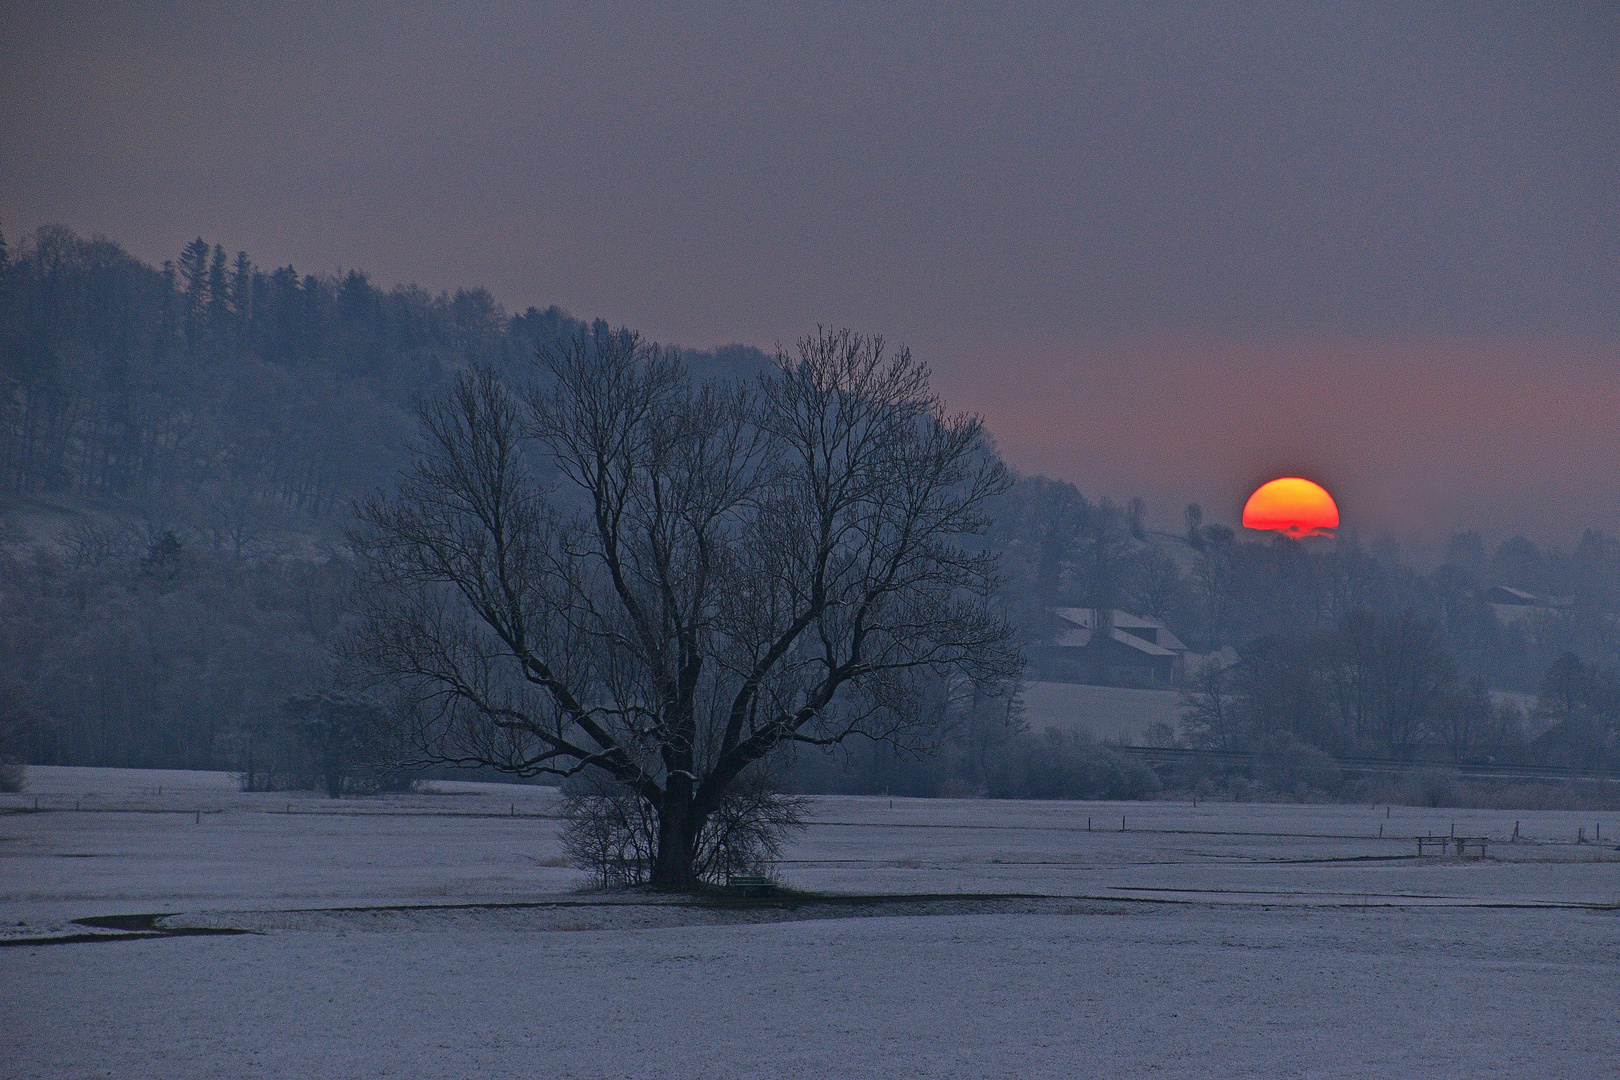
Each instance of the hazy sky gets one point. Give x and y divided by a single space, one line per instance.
1169 250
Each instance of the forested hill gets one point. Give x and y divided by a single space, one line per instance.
210 389
179 446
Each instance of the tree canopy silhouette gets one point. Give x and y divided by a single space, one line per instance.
716 572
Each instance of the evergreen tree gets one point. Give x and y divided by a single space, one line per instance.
218 298
241 299
194 269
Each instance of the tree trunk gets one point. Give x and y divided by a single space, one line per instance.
673 863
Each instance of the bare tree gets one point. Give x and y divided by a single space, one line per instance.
1194 515
339 733
1463 719
1387 677
1154 583
713 574
1209 712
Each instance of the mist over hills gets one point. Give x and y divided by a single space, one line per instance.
180 446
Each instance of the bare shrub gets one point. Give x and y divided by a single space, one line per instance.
609 830
1555 795
1068 765
1434 787
612 831
1162 734
13 776
1297 769
747 833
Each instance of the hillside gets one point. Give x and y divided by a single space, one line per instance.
180 447
217 397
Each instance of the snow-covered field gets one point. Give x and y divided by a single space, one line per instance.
1112 714
439 934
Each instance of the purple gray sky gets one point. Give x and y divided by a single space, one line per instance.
1166 249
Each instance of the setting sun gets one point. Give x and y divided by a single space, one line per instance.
1292 506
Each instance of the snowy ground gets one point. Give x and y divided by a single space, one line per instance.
1112 714
439 935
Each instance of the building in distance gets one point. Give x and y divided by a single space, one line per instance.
1111 647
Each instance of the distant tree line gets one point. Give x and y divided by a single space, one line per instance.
1213 588
1372 686
147 652
198 431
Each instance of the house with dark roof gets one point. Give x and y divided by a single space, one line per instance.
1112 647
1513 606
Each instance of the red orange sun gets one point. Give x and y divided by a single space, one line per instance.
1292 506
